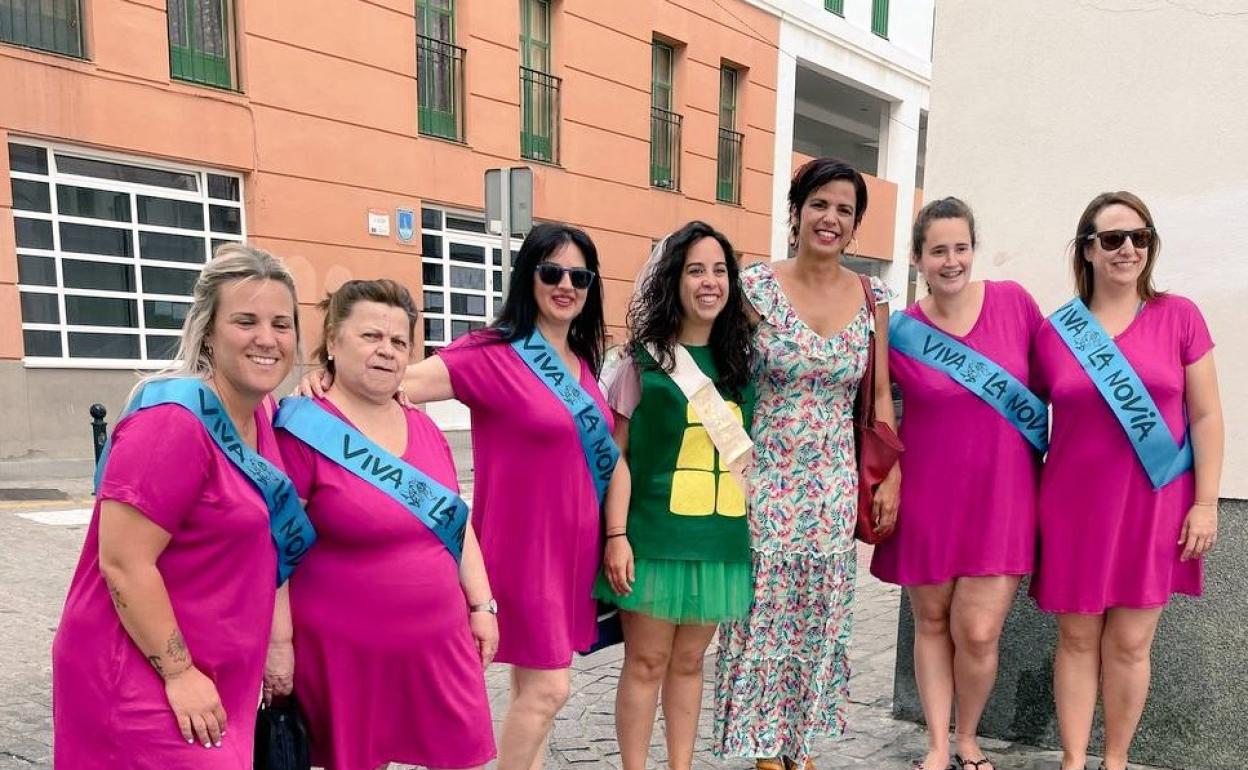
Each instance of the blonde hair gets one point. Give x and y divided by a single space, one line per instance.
230 262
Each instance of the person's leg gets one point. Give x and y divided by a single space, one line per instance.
682 693
647 650
1125 670
933 666
1076 674
536 696
980 605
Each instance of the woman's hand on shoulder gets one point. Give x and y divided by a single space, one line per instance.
197 706
314 383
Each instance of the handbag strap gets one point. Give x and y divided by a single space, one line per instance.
866 387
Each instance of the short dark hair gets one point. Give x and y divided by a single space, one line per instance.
945 208
588 334
337 307
816 173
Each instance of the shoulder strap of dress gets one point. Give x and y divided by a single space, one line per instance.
760 287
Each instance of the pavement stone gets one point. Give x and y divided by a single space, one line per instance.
39 560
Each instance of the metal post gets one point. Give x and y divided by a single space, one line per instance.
99 429
505 214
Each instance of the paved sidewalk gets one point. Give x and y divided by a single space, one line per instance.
40 550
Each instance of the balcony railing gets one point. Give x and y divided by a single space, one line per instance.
664 149
440 88
539 115
48 25
728 178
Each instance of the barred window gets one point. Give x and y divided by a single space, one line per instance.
108 251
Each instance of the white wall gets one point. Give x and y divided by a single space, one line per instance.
1034 112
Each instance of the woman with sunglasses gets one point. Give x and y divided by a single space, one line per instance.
974 434
1129 493
544 461
677 558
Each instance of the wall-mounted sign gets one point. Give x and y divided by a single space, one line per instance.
405 219
378 222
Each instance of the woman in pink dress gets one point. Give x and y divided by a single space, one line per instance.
1112 548
535 505
966 526
162 642
387 635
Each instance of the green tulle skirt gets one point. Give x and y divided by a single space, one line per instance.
693 592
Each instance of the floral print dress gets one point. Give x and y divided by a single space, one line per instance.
783 673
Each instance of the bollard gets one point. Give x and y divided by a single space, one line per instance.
99 429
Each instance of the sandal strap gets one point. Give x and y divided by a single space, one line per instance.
975 763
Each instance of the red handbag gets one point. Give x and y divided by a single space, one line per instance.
876 445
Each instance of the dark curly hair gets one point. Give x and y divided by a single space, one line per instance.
655 314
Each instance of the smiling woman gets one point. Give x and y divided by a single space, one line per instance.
180 541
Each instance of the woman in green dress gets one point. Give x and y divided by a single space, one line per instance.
677 559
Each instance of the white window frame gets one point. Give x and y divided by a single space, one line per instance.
482 240
133 227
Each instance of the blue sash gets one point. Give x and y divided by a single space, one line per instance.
1124 392
976 372
292 531
600 450
437 507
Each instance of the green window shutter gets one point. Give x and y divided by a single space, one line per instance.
539 90
879 18
200 43
835 6
439 71
728 176
664 123
48 25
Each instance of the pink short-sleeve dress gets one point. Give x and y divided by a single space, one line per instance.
1107 539
968 477
386 667
108 705
534 506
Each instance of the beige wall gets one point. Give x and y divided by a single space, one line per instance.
325 129
1035 111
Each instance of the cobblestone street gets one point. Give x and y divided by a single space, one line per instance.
41 543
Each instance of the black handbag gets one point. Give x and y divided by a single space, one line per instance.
610 630
281 737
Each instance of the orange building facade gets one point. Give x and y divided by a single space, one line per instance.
350 137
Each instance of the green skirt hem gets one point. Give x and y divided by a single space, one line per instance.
685 592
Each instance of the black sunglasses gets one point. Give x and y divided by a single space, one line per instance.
1112 240
552 275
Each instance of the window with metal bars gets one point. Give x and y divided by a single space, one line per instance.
665 123
835 6
201 42
879 18
728 176
439 71
48 25
539 89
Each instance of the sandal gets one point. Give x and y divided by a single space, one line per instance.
773 763
791 765
918 765
974 763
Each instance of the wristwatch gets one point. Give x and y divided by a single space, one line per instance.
490 606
